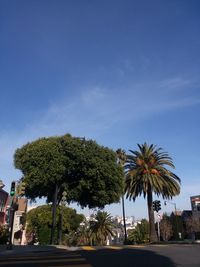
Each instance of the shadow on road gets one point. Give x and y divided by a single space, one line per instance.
127 258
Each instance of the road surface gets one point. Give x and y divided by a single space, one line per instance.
125 256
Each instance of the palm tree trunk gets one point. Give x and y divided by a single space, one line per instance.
152 231
124 220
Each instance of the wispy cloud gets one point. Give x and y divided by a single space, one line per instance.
96 110
176 83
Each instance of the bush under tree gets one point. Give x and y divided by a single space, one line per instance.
39 223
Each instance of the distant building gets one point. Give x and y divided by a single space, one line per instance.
4 197
195 203
130 221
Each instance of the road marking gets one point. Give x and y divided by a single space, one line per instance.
32 257
71 260
45 260
82 265
88 248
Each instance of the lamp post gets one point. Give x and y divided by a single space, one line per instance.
172 203
121 159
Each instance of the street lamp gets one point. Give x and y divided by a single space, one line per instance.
175 213
121 159
172 203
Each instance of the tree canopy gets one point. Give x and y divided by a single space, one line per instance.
147 173
146 170
87 171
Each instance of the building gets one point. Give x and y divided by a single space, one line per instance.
18 221
195 203
4 197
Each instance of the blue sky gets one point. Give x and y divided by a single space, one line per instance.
120 72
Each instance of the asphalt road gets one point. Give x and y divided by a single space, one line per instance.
146 256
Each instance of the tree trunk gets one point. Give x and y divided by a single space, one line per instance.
152 231
54 204
60 226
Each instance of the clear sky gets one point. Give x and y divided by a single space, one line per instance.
121 72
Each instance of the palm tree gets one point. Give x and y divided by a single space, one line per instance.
83 233
146 174
101 227
121 156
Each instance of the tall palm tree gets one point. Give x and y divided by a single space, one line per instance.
146 173
101 227
121 156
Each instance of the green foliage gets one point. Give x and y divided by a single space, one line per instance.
101 227
39 221
140 234
146 169
86 171
3 234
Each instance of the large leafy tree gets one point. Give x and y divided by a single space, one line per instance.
101 227
87 171
147 173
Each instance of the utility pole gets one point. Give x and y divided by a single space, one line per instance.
157 207
121 160
13 208
175 214
158 223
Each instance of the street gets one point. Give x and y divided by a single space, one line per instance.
146 256
125 256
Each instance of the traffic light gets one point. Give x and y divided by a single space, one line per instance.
156 205
12 189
